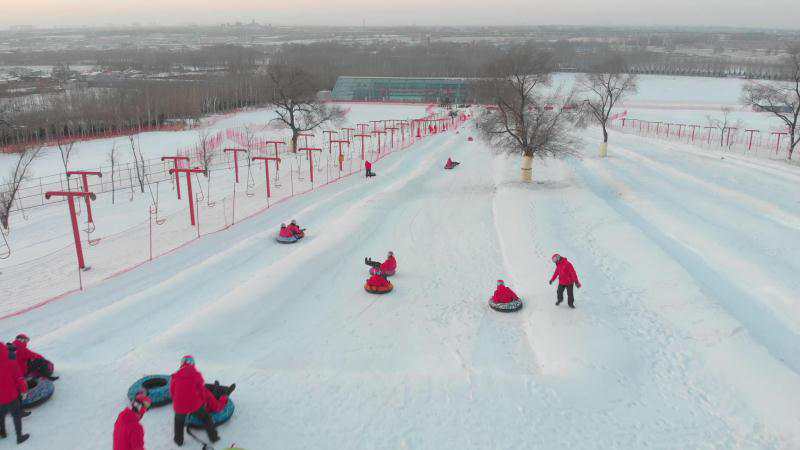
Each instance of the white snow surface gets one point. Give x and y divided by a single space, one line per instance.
685 333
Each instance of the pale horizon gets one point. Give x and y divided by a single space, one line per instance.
771 14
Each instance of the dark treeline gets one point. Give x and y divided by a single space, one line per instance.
152 87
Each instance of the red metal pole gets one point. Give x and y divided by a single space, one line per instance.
73 218
175 160
750 142
308 151
85 178
191 197
266 160
235 159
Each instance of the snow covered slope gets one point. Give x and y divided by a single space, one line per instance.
683 335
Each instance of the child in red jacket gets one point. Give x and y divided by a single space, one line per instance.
188 392
567 278
503 294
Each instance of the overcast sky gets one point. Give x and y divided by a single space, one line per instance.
752 13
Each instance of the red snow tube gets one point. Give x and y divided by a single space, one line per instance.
378 289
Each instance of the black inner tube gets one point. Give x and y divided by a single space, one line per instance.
154 383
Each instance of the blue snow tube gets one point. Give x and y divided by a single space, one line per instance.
157 389
218 418
514 305
39 391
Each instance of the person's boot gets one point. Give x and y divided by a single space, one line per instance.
24 413
558 301
231 389
572 306
52 378
22 438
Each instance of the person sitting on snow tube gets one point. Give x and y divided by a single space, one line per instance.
188 390
388 267
504 299
32 364
285 235
296 230
378 284
216 396
450 164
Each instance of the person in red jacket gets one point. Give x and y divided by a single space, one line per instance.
450 164
388 267
31 364
285 233
13 389
216 396
368 169
567 278
128 432
188 397
295 230
503 294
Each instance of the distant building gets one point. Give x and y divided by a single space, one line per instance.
401 89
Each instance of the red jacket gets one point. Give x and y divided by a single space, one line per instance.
503 295
214 404
377 281
295 230
389 266
12 383
565 273
285 232
367 165
128 432
187 389
24 355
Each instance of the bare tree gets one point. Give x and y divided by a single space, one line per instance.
113 160
138 164
526 121
780 98
65 149
724 123
206 152
295 101
606 85
10 184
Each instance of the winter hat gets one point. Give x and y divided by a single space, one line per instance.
499 282
23 337
294 222
391 253
188 359
283 225
141 403
555 258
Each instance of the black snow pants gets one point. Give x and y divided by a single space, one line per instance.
15 409
205 418
560 294
372 263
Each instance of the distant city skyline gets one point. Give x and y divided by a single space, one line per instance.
736 13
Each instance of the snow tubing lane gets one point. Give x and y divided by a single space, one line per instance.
157 389
512 306
39 391
218 418
378 290
372 271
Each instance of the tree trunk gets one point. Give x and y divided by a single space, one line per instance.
293 143
527 168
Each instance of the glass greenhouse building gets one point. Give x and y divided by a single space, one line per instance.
399 89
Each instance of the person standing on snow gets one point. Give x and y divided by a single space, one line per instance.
128 432
188 397
567 278
13 389
368 169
